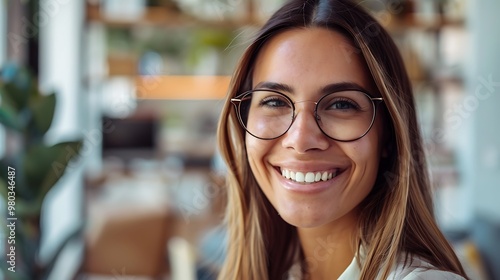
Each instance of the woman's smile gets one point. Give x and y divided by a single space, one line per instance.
310 182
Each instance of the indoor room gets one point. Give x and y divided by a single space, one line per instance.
110 157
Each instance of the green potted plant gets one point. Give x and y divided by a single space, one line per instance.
28 170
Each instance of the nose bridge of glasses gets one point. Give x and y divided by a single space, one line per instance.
304 113
297 110
314 109
306 101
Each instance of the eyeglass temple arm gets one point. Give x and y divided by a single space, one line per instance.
237 100
378 100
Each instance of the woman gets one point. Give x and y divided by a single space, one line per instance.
327 176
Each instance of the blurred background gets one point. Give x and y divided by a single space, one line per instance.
108 115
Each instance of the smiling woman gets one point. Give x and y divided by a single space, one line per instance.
327 177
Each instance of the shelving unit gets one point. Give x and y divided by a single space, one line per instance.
182 100
162 16
126 63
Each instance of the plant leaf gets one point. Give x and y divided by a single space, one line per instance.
69 162
19 89
8 117
3 188
43 107
44 166
8 112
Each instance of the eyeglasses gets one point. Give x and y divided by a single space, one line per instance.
344 116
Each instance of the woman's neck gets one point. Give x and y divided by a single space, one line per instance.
328 250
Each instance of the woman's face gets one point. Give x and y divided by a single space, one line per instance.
303 62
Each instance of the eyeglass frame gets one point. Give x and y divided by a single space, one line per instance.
236 101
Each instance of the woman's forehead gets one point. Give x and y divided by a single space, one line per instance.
310 58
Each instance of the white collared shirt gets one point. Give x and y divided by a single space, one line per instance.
418 269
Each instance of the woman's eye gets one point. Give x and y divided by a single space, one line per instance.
343 105
275 102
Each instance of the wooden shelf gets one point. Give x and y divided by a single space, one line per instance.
182 87
412 22
161 16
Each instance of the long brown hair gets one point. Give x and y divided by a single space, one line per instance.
396 217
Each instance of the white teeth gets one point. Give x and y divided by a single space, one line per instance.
308 177
317 177
324 177
299 177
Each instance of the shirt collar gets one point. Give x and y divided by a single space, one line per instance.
353 271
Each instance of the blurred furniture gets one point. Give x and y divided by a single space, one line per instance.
129 224
149 220
131 242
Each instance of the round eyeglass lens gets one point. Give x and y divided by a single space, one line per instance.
266 114
345 115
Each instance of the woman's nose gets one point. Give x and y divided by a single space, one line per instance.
304 134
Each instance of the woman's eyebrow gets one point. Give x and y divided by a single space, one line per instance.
334 87
275 86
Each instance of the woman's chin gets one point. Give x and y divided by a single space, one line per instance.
303 219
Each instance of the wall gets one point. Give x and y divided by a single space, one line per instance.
480 112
